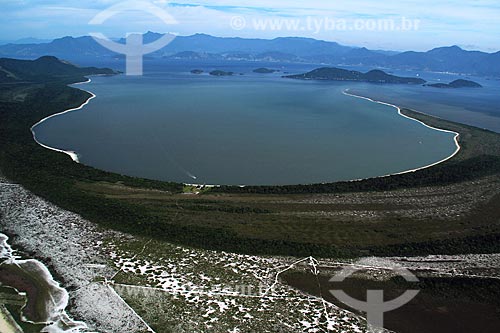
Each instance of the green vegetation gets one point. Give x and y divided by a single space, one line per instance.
221 73
15 312
36 289
442 174
479 157
454 288
444 304
291 220
265 71
45 69
337 74
56 178
456 84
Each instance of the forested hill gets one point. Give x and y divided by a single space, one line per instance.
337 74
45 69
284 49
456 84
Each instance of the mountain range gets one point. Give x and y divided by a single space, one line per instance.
45 69
285 49
25 41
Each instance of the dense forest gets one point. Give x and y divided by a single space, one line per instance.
442 174
55 177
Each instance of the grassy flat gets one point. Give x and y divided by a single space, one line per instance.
449 208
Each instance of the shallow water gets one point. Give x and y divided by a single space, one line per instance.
47 300
250 129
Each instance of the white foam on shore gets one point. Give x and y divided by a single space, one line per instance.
72 154
6 251
346 92
57 320
456 138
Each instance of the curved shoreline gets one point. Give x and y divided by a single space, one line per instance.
54 317
72 154
456 138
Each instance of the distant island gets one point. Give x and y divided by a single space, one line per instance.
220 73
283 49
265 71
338 74
197 71
191 55
456 84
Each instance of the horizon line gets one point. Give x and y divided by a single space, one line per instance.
50 40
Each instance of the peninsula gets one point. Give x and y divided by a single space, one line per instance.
338 74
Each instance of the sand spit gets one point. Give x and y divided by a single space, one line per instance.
72 246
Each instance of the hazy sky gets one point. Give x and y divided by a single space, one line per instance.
467 23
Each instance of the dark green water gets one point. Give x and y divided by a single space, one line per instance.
240 130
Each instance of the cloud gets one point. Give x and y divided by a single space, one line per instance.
444 22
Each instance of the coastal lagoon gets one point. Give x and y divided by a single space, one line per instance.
250 129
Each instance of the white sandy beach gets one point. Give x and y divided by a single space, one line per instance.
73 246
72 154
456 138
75 158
